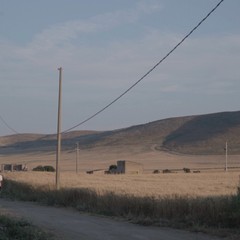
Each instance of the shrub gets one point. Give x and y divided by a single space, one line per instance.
112 167
39 168
186 170
166 171
44 168
49 168
156 171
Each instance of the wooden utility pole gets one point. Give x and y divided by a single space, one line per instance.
226 157
58 154
77 154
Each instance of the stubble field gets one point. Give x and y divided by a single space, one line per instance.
205 183
157 185
208 199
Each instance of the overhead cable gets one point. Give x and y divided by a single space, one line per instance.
7 125
147 73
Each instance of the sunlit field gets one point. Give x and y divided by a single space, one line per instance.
192 184
185 200
206 183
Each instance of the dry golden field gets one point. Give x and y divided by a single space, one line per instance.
192 184
206 183
102 158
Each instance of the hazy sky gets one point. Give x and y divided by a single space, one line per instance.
104 47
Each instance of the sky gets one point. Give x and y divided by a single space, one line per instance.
106 46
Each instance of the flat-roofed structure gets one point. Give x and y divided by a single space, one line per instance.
124 166
13 167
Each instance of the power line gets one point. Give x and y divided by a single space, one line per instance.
147 73
7 125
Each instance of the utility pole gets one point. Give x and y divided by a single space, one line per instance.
226 157
77 154
58 154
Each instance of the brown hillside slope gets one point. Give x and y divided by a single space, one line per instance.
203 134
207 134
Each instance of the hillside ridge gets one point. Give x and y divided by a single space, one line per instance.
197 134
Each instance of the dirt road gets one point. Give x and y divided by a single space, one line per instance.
68 224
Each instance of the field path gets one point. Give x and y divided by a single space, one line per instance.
68 224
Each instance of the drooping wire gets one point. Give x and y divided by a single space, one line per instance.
8 126
147 73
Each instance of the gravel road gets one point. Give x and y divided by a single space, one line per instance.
68 224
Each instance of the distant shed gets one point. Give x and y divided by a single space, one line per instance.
13 167
124 166
19 167
7 167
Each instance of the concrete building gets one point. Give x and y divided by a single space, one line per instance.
13 167
124 166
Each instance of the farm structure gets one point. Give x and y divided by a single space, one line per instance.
13 167
124 166
96 171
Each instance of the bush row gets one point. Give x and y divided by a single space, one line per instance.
44 168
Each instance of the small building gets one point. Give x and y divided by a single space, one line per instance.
13 167
7 167
19 167
124 166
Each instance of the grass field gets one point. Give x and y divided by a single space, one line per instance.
201 202
192 184
208 202
206 183
103 157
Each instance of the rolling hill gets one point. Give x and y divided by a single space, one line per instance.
200 134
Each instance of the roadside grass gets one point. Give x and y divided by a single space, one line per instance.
196 213
14 229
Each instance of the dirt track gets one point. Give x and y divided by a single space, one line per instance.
68 224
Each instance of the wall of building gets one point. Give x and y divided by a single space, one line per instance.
129 167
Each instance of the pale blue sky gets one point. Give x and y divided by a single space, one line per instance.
104 47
